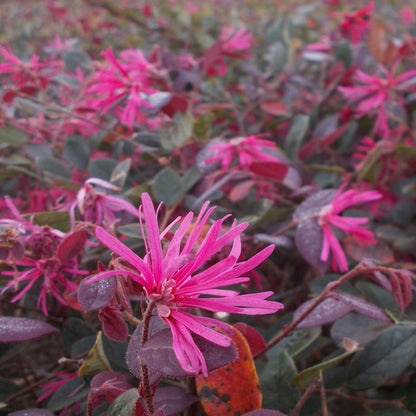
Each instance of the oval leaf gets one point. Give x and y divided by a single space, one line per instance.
167 187
71 246
222 391
125 404
14 329
173 400
384 357
97 294
309 239
32 412
329 310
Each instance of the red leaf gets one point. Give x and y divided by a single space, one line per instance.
271 170
71 246
211 55
175 105
232 389
321 143
253 337
113 325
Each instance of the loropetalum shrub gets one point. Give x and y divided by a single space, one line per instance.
207 208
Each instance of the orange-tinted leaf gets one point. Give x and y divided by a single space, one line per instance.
253 337
276 108
223 392
359 251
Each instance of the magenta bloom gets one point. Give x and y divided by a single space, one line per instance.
97 207
355 23
375 93
244 149
123 85
173 277
328 216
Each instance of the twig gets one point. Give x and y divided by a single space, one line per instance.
330 287
311 388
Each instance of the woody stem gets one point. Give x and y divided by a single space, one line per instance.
145 385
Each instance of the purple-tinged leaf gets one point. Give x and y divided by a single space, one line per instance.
158 354
71 246
133 359
32 412
14 329
173 399
382 280
329 310
313 204
326 126
215 355
96 295
362 306
264 412
309 239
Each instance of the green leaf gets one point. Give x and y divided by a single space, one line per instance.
279 393
391 411
74 330
343 53
69 393
296 135
54 167
77 151
116 353
167 187
357 327
102 168
191 177
384 357
298 341
305 377
76 58
13 136
276 57
125 404
120 173
177 133
54 219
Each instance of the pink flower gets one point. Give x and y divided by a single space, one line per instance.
236 43
355 23
376 92
232 43
173 279
44 263
97 207
123 85
245 149
328 217
33 74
